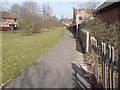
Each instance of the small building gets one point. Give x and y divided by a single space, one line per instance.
80 15
7 20
108 12
54 18
66 21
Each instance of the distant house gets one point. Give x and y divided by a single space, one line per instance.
66 21
7 20
80 15
54 18
109 12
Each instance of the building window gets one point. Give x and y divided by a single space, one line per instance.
80 18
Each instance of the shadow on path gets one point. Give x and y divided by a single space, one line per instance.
79 46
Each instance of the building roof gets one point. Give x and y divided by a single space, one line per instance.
9 15
65 19
105 4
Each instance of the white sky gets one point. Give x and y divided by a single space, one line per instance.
60 7
54 0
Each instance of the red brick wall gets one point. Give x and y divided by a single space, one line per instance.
112 15
119 13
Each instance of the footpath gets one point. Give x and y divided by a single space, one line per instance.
54 69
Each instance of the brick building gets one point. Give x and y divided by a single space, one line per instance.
80 15
7 19
109 12
66 21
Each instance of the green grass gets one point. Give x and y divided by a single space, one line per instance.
19 51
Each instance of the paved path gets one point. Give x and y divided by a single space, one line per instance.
54 68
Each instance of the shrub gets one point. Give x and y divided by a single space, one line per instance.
33 19
102 34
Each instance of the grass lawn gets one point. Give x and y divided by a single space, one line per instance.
19 51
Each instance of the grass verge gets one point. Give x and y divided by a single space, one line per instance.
19 51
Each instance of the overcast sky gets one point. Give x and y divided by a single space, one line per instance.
59 7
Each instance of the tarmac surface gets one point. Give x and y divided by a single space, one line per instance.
54 68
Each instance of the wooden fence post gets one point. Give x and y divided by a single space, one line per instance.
92 43
76 31
87 41
105 67
112 77
96 62
95 58
102 51
107 58
109 61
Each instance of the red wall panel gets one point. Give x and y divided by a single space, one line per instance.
111 15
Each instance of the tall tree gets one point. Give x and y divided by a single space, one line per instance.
4 5
91 5
16 8
46 11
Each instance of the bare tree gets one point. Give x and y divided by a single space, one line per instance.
29 7
0 9
4 5
91 5
16 8
0 6
46 11
32 18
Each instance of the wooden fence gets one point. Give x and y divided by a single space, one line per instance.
82 35
84 38
103 57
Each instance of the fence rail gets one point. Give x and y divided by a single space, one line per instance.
103 57
106 55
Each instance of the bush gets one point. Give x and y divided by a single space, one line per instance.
33 19
101 33
30 24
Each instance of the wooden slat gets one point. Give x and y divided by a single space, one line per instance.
109 60
98 51
108 63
